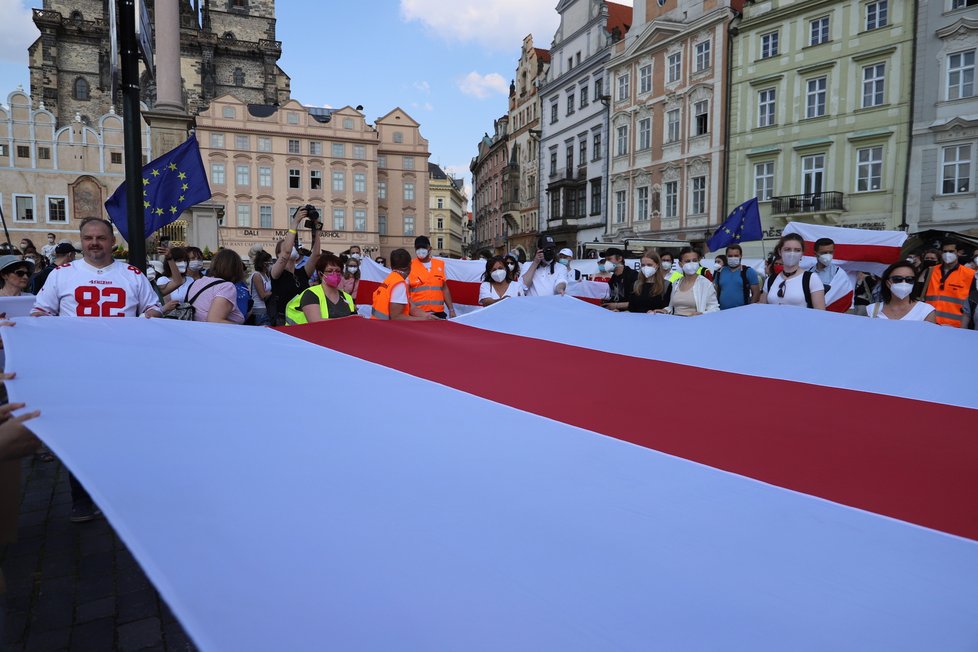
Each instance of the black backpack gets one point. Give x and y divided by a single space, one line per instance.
743 278
185 310
805 278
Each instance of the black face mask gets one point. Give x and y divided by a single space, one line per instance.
548 254
929 263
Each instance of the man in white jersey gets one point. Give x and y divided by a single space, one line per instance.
97 285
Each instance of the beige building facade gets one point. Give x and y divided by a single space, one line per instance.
369 182
447 214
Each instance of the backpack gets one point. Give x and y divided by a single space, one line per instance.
743 278
185 310
805 278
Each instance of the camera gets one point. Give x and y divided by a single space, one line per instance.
547 244
312 218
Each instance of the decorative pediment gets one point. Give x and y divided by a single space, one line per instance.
963 27
655 33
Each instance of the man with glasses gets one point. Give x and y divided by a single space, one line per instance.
949 288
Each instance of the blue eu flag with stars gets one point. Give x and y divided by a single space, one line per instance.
171 184
743 224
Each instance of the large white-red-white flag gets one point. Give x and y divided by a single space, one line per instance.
537 475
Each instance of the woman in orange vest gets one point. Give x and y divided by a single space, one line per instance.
391 299
429 289
949 287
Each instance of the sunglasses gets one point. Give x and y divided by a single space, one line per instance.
781 290
23 273
902 279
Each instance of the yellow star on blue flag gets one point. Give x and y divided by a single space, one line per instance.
742 225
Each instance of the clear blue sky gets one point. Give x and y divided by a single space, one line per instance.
448 63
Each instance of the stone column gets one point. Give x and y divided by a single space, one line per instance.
169 95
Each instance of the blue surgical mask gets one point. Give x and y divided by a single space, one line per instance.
564 261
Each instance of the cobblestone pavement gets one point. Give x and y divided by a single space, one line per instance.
75 586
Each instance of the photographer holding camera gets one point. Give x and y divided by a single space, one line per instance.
544 277
287 281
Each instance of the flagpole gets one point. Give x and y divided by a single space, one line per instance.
135 219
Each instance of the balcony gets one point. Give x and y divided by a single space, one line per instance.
818 202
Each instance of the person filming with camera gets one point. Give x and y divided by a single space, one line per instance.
544 277
287 281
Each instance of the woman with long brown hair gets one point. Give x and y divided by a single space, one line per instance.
651 290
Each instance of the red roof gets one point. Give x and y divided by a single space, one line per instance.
619 16
543 55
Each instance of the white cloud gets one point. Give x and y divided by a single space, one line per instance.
422 86
17 31
482 86
498 25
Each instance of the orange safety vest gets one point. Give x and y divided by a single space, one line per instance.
382 298
950 295
428 287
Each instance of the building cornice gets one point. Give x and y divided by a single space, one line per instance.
782 14
678 31
964 24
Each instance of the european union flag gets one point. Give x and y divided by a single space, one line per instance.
171 184
743 224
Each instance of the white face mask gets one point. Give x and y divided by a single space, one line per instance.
422 253
352 269
825 259
182 267
498 275
791 258
949 257
356 256
196 265
666 266
901 290
691 267
510 266
609 266
733 261
648 271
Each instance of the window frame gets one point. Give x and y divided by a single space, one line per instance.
214 173
47 209
818 92
772 44
674 67
645 79
768 180
824 25
869 166
642 212
881 18
261 216
957 164
767 107
242 171
704 56
698 195
961 70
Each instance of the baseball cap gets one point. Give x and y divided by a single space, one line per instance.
422 241
65 248
566 252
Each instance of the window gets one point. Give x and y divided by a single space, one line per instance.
339 219
264 144
242 175
348 123
408 192
381 161
217 141
570 102
869 169
583 96
645 133
44 153
238 77
292 118
440 223
315 180
24 208
703 56
408 163
622 146
359 219
642 204
553 111
295 178
764 180
596 197
441 242
818 31
339 150
241 142
359 182
265 217
699 195
671 199
960 4
339 181
398 137
57 209
294 146
229 112
115 158
23 151
815 97
569 159
672 126
961 75
596 146
264 177
382 224
381 190
598 88
675 64
769 45
623 86
582 151
621 200
957 169
766 106
81 90
645 79
217 174
244 215
701 115
813 174
315 148
408 225
873 84
876 14
359 152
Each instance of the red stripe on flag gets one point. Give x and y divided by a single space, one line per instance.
911 460
864 253
463 293
842 304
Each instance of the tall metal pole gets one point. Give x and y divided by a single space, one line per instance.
131 133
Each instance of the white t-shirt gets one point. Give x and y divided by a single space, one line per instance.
80 290
265 282
399 293
794 293
544 282
48 251
486 291
918 312
180 294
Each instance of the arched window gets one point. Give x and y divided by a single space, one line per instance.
238 77
76 18
228 36
81 89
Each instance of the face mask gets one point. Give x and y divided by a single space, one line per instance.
666 266
791 258
498 275
901 290
510 266
352 269
825 259
295 254
564 261
949 257
610 266
733 261
648 271
422 253
356 256
333 279
691 268
912 260
929 263
778 269
196 265
182 267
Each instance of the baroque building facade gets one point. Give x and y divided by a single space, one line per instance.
447 212
488 167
